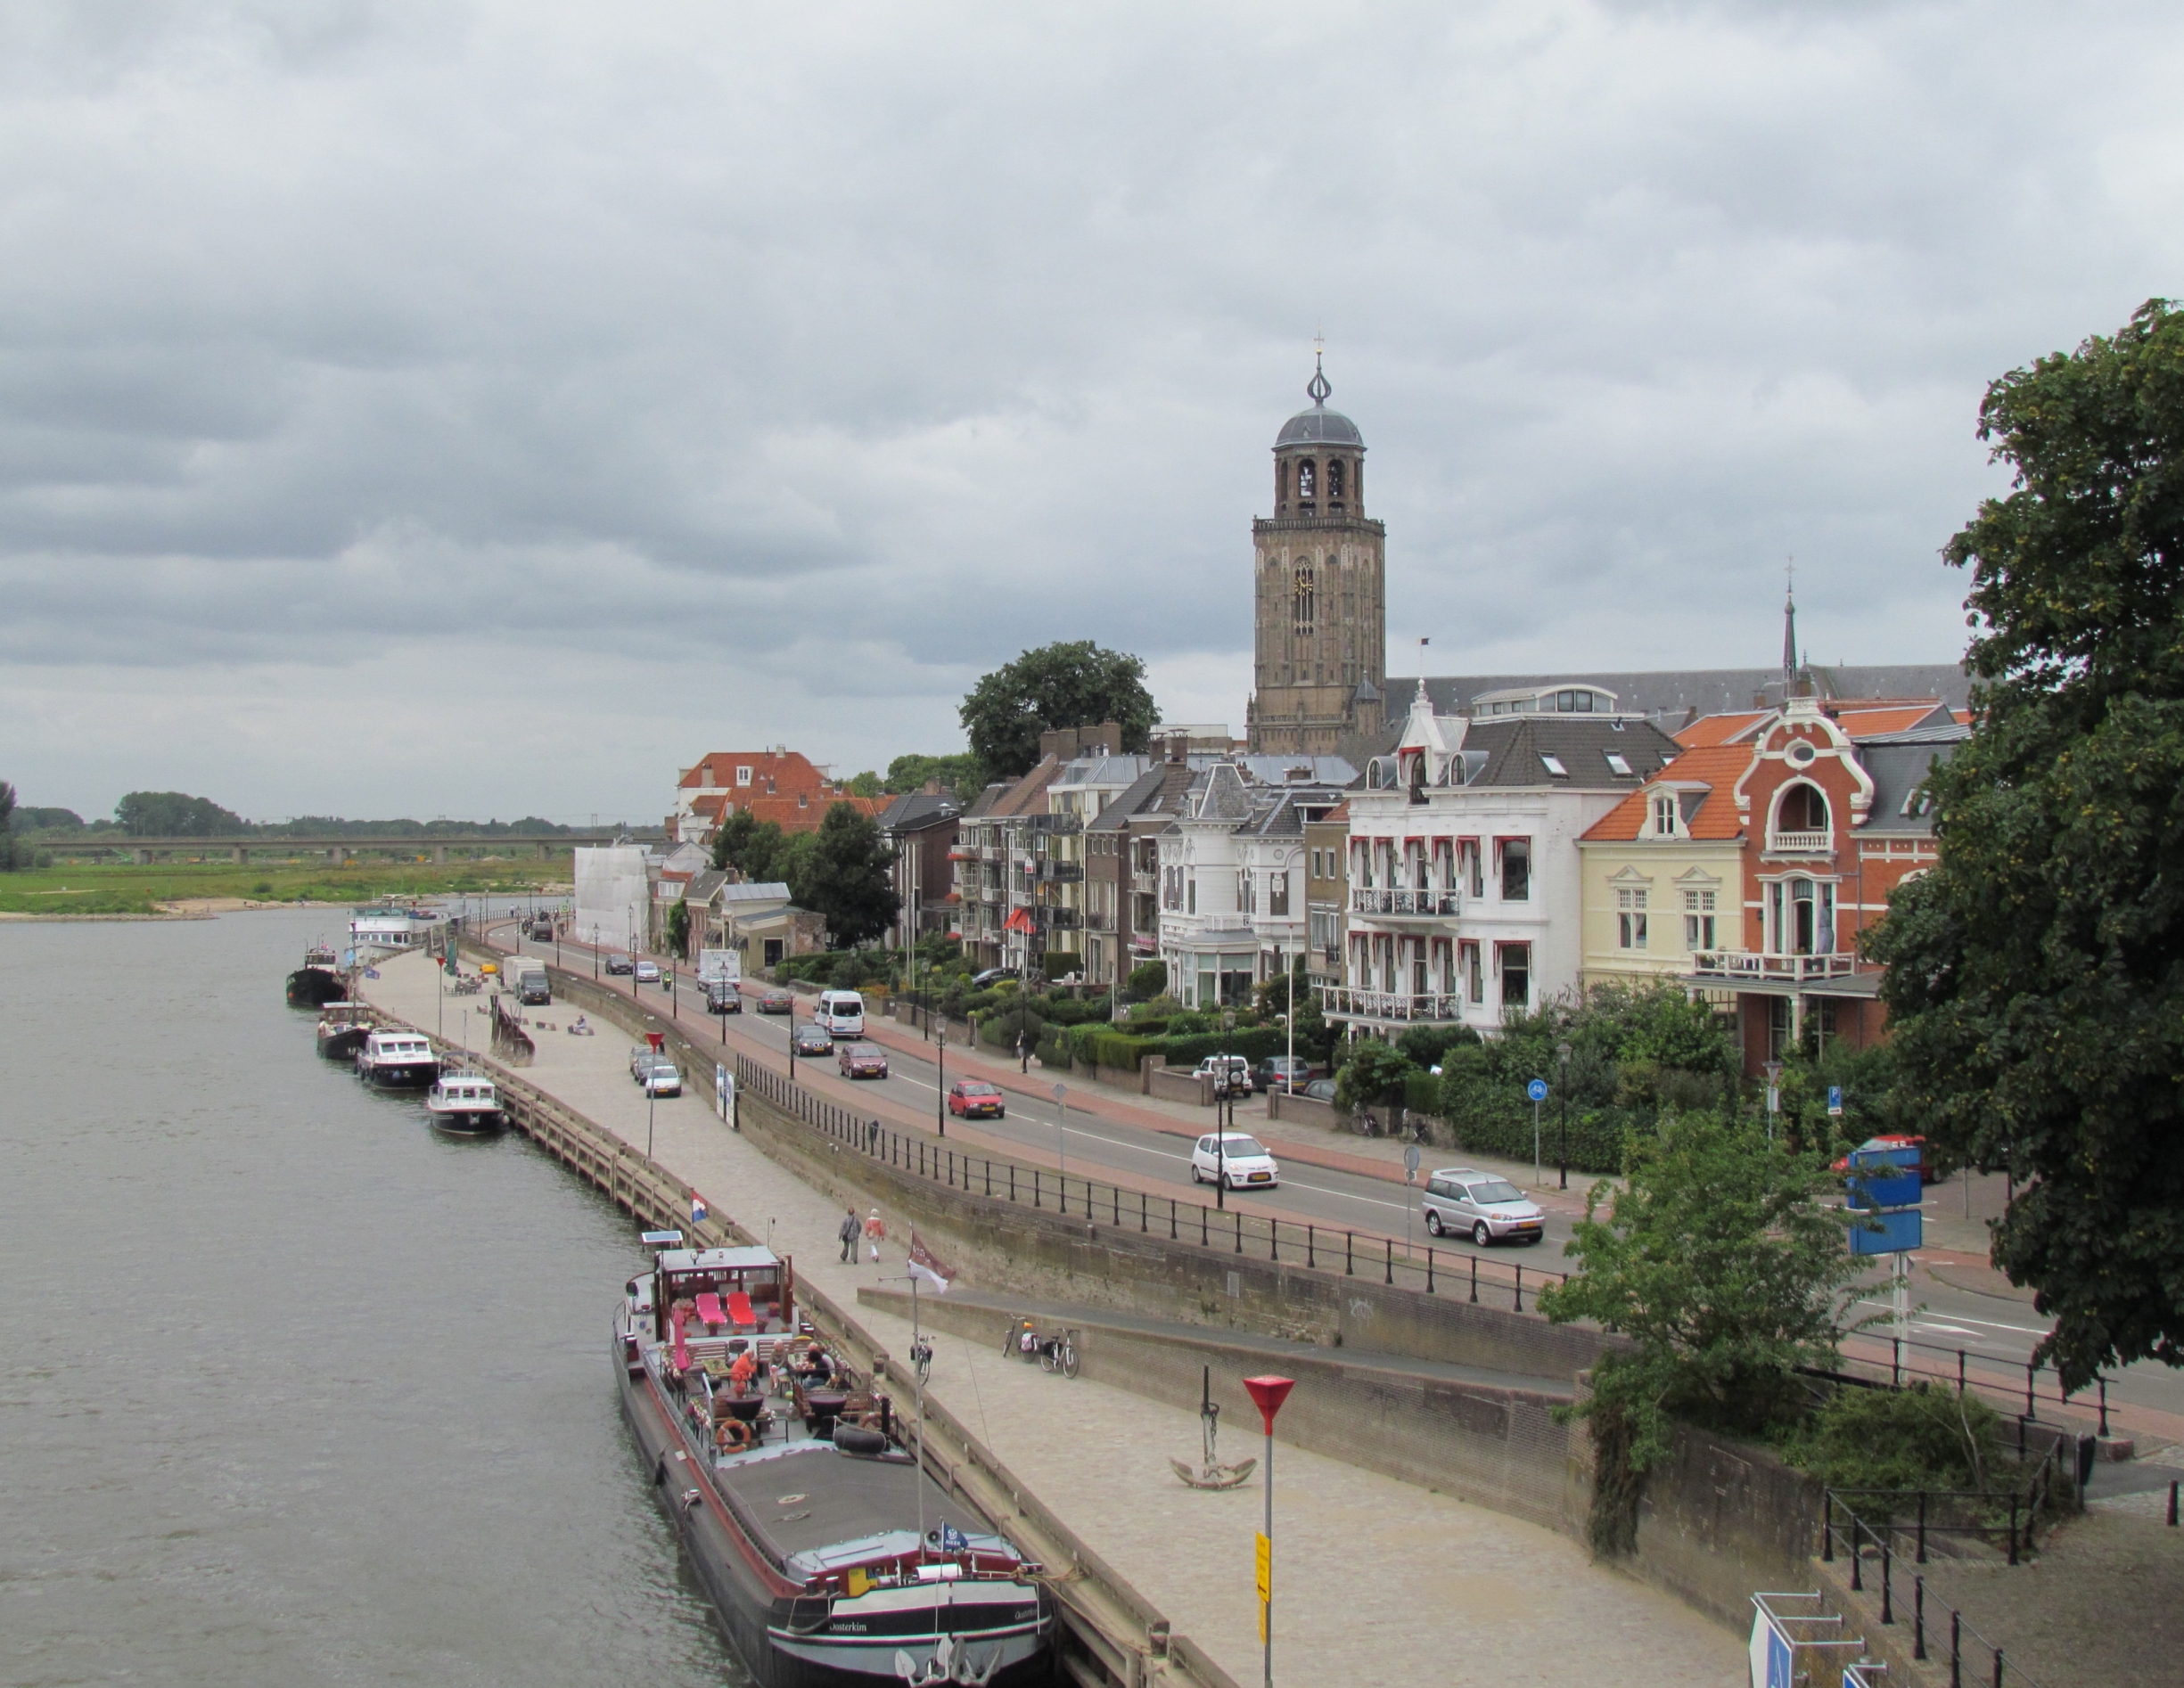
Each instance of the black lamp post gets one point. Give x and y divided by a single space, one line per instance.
1561 1153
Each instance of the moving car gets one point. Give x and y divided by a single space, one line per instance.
861 1060
841 1012
992 977
1489 1208
648 973
1235 1159
813 1040
663 1078
776 1002
1285 1073
722 997
1231 1074
976 1099
619 965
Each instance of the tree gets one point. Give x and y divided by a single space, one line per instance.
175 815
2032 980
867 785
678 928
1146 980
1376 1072
1726 1268
846 878
960 775
1076 684
752 847
8 843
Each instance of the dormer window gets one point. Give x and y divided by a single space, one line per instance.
743 776
1664 816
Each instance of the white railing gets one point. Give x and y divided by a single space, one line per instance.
1734 964
1345 1002
1371 899
1820 843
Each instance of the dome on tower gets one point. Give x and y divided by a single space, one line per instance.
1320 426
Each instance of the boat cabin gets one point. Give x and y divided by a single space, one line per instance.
722 1295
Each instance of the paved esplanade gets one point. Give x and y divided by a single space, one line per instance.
1376 1582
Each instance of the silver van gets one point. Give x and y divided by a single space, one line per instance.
1483 1205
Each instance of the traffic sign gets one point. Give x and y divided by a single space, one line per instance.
1537 1090
1411 1162
1834 1101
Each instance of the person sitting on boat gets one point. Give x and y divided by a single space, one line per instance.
745 1368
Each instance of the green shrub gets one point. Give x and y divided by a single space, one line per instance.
1422 1092
1148 979
1923 1436
1254 1043
999 1030
1059 963
1053 1050
1069 1010
1377 1074
1117 1049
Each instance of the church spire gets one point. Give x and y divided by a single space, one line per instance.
1316 389
1789 622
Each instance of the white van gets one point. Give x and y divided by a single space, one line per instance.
841 1012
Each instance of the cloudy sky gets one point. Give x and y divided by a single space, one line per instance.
433 408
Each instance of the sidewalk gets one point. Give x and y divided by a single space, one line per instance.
1392 1585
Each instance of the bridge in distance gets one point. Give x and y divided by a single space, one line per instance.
544 846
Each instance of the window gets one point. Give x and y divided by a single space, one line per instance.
1802 809
1800 917
1277 892
1517 870
1630 919
1247 888
1663 815
1698 920
743 776
1334 477
1474 986
1552 763
1618 765
1516 975
1190 893
1470 867
1304 479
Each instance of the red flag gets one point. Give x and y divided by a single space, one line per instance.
925 1264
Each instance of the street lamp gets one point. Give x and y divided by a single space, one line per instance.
940 1089
1562 1151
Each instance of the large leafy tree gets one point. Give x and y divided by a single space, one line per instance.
176 814
2036 976
960 774
846 878
1076 684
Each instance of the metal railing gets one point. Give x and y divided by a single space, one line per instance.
1737 964
2018 1387
1233 1231
1348 1002
1860 1542
1391 900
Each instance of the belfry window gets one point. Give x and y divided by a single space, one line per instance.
1304 479
1304 601
1334 477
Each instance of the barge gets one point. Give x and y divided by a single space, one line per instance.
318 981
833 1560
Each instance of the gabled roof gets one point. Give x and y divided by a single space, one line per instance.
1028 793
1223 797
1134 799
1712 817
1722 729
1516 745
916 809
1677 693
1865 721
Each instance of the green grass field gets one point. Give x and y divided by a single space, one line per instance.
125 889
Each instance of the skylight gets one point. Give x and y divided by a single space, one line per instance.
1618 763
1553 765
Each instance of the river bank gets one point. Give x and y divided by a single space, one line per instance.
161 888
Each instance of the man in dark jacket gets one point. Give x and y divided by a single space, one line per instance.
848 1233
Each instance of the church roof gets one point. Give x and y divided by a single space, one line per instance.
1320 426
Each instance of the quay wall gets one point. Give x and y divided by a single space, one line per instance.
1718 1520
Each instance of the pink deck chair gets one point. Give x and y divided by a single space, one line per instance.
709 1309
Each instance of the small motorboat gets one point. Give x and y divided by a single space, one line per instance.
342 1030
397 1060
464 1101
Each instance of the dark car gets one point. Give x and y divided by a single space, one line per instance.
993 976
1285 1073
620 964
862 1060
976 1099
723 998
776 1002
814 1040
1319 1090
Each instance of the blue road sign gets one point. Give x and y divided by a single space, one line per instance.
1834 1101
1537 1090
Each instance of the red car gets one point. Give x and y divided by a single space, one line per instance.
861 1061
976 1099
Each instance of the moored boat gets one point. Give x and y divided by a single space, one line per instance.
832 1561
462 1101
342 1030
317 981
398 1060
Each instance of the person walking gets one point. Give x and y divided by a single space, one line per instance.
848 1233
876 1233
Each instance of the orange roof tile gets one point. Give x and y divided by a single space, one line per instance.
1893 717
1717 766
1718 729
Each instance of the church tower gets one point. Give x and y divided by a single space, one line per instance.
1319 605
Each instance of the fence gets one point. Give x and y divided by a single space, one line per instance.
1859 1540
2005 1383
1234 1229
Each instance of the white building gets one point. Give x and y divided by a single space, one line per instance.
613 895
1465 882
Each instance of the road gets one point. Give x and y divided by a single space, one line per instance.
1996 1334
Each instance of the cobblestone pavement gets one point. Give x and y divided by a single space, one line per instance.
1377 1583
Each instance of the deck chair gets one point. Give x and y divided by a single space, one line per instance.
709 1309
739 1310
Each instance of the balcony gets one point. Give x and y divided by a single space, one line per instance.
1392 903
1384 1007
1820 843
1784 975
1098 920
1060 872
1058 919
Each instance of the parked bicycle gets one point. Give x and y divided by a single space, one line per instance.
921 1358
1053 1353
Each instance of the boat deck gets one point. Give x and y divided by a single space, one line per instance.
804 1496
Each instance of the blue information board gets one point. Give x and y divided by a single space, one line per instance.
1885 1191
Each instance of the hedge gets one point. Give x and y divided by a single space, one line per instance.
1597 1137
1110 1048
1254 1043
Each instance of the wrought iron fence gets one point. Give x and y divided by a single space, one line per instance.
1860 1543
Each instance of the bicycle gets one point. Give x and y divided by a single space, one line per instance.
921 1358
1059 1354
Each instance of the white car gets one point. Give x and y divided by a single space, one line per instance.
648 973
1461 1201
1238 1161
663 1079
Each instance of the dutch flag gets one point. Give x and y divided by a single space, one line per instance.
698 1209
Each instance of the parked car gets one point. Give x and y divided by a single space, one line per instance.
648 973
640 1057
663 1078
776 1002
1285 1073
722 997
861 1060
1460 1201
1231 1074
992 977
1320 1090
976 1099
620 964
1234 1159
814 1040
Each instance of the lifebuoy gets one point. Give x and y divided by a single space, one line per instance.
732 1436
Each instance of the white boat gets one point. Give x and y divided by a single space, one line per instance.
385 928
464 1101
397 1060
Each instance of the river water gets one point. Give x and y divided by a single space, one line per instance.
293 1389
